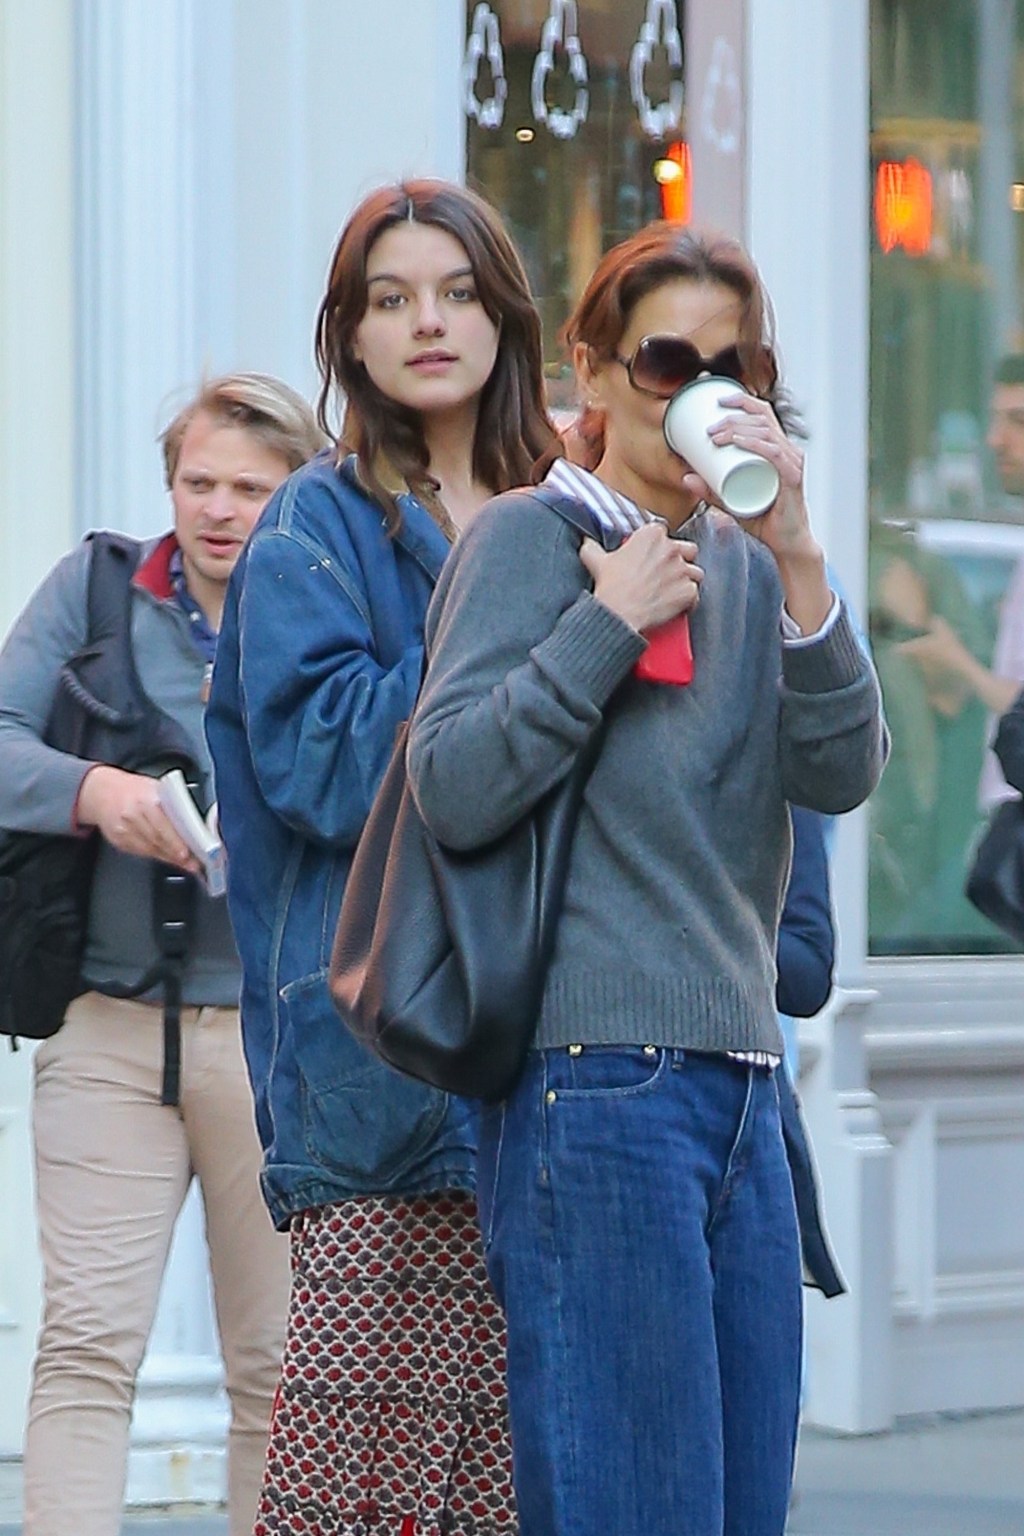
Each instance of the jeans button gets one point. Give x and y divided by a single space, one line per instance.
550 1097
575 1050
650 1050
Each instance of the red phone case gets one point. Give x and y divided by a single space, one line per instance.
669 656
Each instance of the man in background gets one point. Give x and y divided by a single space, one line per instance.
941 651
130 1097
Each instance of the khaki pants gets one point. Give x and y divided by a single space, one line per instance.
113 1166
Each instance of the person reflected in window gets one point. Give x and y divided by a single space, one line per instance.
925 812
944 651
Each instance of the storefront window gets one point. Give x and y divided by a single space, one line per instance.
946 553
576 130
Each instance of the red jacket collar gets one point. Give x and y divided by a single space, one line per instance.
154 574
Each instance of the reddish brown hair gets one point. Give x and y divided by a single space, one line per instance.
663 253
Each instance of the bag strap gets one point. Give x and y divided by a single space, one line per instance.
581 518
115 559
579 515
112 563
174 893
174 912
573 511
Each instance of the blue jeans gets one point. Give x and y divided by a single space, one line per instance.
639 1229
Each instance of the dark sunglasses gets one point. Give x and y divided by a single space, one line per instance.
663 364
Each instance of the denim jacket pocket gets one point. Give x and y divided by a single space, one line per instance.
360 1119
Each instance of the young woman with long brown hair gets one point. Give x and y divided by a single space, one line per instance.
391 1412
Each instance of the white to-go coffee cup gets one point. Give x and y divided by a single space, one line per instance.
744 483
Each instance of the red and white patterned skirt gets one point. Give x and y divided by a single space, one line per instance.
391 1417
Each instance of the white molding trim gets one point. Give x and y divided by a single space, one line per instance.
914 1092
137 311
970 1294
991 1046
36 296
807 226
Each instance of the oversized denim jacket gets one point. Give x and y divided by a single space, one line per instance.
319 659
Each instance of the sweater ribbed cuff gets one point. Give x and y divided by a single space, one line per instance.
589 651
835 661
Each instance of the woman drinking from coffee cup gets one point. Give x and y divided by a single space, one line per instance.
635 1201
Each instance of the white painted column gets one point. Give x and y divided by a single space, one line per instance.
36 486
222 145
849 1383
140 142
326 108
808 212
135 298
36 296
808 202
997 167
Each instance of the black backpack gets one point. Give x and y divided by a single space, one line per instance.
100 712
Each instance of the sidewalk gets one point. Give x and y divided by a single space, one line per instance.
937 1476
941 1476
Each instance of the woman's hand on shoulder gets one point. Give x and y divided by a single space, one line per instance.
648 580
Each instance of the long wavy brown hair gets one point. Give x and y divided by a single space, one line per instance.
512 427
663 253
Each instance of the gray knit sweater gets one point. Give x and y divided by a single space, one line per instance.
682 847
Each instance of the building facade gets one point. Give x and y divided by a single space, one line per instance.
172 179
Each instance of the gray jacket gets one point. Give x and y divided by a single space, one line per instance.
39 786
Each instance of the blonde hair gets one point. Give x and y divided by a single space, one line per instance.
274 413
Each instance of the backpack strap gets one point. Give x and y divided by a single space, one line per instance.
174 912
174 892
77 714
115 559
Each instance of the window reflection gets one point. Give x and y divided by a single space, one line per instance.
946 564
570 141
588 139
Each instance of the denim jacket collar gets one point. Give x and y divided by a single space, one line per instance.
418 534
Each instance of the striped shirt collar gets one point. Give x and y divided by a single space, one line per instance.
610 508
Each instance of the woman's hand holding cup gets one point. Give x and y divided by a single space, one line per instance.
785 528
648 580
753 426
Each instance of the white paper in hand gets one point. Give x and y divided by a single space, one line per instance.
201 835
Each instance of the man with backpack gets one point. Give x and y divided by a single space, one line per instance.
143 1084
